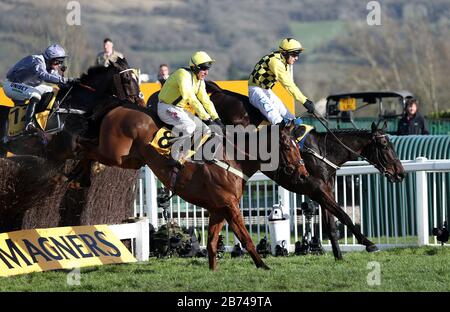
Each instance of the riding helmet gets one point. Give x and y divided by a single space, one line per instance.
200 58
290 45
54 51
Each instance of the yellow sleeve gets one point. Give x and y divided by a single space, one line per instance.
283 75
206 101
188 96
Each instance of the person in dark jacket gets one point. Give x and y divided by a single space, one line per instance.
412 122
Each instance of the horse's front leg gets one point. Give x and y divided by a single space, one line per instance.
330 228
216 221
324 196
237 225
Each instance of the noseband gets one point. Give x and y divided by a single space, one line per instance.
378 154
122 94
286 164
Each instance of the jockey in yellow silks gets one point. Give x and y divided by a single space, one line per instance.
271 68
185 104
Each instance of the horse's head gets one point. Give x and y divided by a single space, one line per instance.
381 153
117 79
290 160
126 82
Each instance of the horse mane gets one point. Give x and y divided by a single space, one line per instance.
350 131
92 72
254 114
212 87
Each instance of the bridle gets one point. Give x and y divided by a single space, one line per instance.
285 163
379 156
379 166
123 94
117 79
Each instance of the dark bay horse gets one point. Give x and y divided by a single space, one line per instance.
372 144
124 142
78 111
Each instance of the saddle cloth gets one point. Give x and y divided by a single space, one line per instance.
17 114
162 141
301 132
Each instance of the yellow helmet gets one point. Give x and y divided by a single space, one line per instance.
290 45
200 59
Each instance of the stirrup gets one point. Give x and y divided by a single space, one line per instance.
30 128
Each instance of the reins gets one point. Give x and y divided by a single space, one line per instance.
87 87
319 118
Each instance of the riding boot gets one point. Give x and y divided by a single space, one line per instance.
176 168
4 132
30 127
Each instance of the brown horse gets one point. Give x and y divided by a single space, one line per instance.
374 145
124 142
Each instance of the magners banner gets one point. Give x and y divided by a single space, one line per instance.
60 248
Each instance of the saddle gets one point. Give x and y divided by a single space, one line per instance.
16 114
162 140
257 118
300 133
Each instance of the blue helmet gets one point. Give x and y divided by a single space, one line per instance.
54 51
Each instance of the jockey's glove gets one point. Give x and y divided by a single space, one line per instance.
309 105
208 122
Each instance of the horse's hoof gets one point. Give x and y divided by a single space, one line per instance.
372 248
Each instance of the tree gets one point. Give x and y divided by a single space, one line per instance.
412 53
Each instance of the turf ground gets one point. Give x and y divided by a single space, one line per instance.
409 269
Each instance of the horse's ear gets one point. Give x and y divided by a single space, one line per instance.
374 127
384 126
122 61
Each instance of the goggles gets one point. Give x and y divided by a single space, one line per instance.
204 66
294 53
57 61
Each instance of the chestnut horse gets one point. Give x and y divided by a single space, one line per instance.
124 139
374 145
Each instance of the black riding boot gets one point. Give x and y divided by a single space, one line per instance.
29 115
4 132
176 167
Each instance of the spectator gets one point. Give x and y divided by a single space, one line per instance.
412 121
163 73
108 54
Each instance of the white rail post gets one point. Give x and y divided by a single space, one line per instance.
285 199
142 240
150 197
422 204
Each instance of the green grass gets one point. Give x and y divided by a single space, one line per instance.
313 34
409 269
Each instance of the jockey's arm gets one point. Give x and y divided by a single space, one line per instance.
46 76
188 97
203 96
283 75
